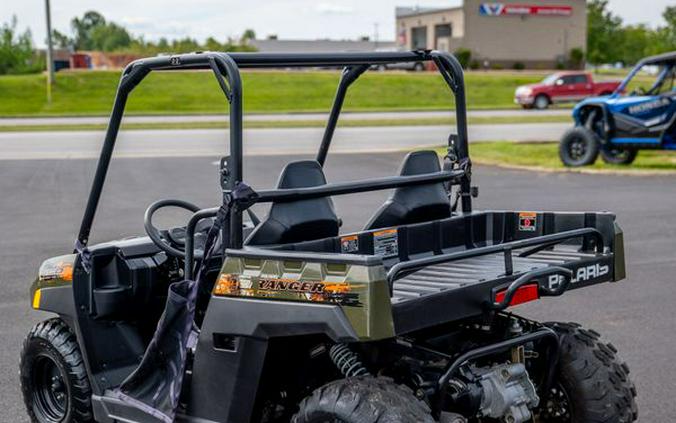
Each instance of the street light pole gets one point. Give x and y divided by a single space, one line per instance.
50 53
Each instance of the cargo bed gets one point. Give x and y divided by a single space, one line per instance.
454 268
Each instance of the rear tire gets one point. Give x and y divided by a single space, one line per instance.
617 156
363 399
418 67
53 377
578 147
541 102
591 384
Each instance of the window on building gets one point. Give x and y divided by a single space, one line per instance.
445 30
419 37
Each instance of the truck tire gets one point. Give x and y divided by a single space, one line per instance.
617 156
541 102
53 377
591 384
578 147
363 399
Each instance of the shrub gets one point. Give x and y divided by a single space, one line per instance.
518 66
576 57
464 56
16 50
474 64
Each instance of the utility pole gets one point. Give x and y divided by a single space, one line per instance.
50 53
375 33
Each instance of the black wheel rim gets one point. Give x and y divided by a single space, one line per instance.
577 148
50 392
556 408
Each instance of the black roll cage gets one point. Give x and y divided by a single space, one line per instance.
226 66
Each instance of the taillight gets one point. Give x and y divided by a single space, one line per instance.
522 295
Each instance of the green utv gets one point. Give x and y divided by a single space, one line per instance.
286 319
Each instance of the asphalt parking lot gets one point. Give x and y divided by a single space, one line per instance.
41 203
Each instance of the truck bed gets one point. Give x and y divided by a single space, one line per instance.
452 276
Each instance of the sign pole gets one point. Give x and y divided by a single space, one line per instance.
50 53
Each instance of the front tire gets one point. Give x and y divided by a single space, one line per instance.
618 156
53 378
579 147
363 399
591 384
541 102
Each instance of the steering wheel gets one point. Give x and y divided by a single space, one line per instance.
164 238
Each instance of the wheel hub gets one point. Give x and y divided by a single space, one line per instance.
557 407
50 399
577 149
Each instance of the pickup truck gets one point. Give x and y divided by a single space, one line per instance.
562 87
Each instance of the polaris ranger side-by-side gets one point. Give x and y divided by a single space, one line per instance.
285 318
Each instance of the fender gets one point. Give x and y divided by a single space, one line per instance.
52 290
579 116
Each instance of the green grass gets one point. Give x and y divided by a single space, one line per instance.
91 93
287 123
545 156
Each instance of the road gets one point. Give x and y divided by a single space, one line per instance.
253 117
206 142
43 200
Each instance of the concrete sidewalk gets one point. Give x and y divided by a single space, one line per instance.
288 117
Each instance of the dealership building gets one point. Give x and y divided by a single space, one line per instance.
532 33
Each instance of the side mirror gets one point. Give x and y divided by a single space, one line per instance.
559 82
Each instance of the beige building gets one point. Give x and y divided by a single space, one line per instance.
505 33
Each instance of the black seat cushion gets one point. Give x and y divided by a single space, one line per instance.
296 221
414 204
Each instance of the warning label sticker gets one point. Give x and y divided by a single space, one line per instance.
349 244
385 243
528 221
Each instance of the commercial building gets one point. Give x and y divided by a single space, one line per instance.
509 33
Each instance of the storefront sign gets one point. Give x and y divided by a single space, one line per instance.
501 9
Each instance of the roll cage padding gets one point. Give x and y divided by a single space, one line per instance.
414 204
302 220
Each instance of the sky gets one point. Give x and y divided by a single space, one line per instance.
289 19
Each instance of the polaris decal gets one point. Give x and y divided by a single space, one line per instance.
581 274
648 106
501 9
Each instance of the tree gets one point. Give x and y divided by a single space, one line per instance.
109 37
16 50
249 34
62 40
212 44
83 29
669 16
604 33
635 43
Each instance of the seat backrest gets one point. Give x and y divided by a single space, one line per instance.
302 220
414 204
